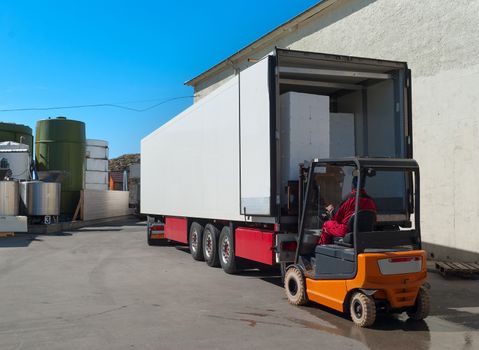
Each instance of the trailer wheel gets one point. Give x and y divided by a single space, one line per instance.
420 310
195 241
227 251
295 286
210 245
362 309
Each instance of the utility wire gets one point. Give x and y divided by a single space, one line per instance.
98 105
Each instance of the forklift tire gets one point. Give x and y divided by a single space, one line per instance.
420 310
195 241
295 286
210 246
362 309
227 251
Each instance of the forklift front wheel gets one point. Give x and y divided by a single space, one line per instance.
295 286
362 309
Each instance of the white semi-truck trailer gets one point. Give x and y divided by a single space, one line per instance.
225 175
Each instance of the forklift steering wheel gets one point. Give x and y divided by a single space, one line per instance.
324 215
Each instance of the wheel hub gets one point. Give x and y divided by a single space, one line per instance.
358 309
194 241
293 287
209 245
225 250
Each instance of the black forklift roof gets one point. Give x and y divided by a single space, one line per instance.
378 163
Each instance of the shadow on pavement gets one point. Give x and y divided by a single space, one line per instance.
18 241
22 240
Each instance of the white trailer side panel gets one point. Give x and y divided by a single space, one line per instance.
255 118
190 165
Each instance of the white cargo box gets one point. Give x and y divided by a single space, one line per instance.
97 152
96 177
96 164
97 143
96 187
229 156
13 224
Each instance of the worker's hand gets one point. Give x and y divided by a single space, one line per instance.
330 208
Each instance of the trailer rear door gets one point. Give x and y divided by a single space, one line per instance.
256 137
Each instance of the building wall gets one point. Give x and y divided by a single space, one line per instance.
439 40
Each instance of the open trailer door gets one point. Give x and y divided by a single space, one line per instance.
257 113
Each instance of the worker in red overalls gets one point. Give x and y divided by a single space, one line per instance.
338 225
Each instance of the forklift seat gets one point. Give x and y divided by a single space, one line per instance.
366 222
310 240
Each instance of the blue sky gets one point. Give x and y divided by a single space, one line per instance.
61 53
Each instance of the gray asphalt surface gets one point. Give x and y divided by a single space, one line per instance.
104 288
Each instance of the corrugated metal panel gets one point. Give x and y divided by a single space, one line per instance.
97 187
105 204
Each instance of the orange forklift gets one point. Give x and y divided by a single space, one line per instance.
378 266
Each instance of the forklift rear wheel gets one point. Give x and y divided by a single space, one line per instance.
420 310
210 246
227 251
295 286
196 241
362 309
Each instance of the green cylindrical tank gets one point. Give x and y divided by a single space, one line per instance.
60 146
17 133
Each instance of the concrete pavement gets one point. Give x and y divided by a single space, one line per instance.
104 288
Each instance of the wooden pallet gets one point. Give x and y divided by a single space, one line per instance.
456 268
7 234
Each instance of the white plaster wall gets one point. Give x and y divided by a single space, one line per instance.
440 41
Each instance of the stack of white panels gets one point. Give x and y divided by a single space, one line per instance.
96 174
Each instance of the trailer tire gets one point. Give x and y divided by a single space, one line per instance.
420 310
195 241
210 245
362 309
227 251
295 286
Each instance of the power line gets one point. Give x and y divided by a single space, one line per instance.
98 105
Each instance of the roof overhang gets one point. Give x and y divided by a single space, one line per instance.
262 41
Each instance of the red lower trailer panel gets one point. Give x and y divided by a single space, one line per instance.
176 229
254 244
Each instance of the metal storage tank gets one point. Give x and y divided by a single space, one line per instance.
40 198
9 198
60 146
17 133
